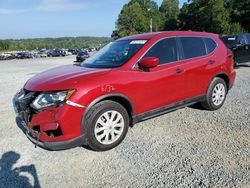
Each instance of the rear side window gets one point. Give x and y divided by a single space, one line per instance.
211 45
165 50
193 47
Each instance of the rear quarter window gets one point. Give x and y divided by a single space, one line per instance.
193 47
210 44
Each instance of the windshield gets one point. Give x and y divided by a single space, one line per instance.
114 54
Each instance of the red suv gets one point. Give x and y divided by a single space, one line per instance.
130 80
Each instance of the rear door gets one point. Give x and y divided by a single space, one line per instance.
198 63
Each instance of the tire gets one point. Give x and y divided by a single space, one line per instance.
214 100
97 125
236 64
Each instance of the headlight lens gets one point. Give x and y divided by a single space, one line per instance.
51 99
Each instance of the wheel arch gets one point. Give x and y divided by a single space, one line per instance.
222 75
225 77
116 97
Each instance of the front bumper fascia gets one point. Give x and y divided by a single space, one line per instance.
72 136
55 146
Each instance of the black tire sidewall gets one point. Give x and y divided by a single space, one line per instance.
95 112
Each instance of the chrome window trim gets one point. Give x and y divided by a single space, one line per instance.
135 66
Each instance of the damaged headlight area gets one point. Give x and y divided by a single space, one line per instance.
51 99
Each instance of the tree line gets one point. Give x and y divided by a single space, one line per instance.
50 43
216 16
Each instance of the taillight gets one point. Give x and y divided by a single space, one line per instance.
230 53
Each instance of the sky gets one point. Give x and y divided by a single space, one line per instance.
59 18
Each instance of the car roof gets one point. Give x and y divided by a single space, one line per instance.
148 36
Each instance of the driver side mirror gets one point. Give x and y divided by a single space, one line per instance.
149 62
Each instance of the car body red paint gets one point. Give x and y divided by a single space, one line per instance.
145 90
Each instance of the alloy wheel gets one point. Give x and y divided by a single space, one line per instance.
109 127
219 94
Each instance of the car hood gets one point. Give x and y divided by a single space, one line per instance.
62 78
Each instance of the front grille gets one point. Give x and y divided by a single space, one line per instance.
22 102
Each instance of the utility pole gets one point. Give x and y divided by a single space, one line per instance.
151 21
151 25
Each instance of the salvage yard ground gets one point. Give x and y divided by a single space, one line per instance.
185 148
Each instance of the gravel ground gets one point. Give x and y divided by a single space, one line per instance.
185 148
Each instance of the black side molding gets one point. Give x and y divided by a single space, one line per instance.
166 109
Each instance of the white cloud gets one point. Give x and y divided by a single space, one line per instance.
49 6
12 11
60 5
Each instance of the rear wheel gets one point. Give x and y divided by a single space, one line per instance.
107 125
216 94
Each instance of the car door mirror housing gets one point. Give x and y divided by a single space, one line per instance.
149 62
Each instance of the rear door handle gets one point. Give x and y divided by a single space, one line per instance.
178 71
211 62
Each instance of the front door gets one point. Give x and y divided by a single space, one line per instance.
164 84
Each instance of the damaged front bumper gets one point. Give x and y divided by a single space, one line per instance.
52 129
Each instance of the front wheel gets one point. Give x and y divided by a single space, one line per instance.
216 94
106 125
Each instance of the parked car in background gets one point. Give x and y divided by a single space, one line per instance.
240 45
82 56
92 49
67 52
73 51
7 56
130 80
43 53
56 53
24 55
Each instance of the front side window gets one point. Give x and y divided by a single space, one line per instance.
165 50
193 47
114 54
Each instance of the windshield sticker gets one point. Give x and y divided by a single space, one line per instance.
138 41
231 38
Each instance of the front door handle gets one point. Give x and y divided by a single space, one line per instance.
211 62
178 71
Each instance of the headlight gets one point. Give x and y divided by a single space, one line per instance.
51 99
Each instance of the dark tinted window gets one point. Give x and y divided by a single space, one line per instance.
193 47
248 38
165 50
241 40
230 41
83 53
211 45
